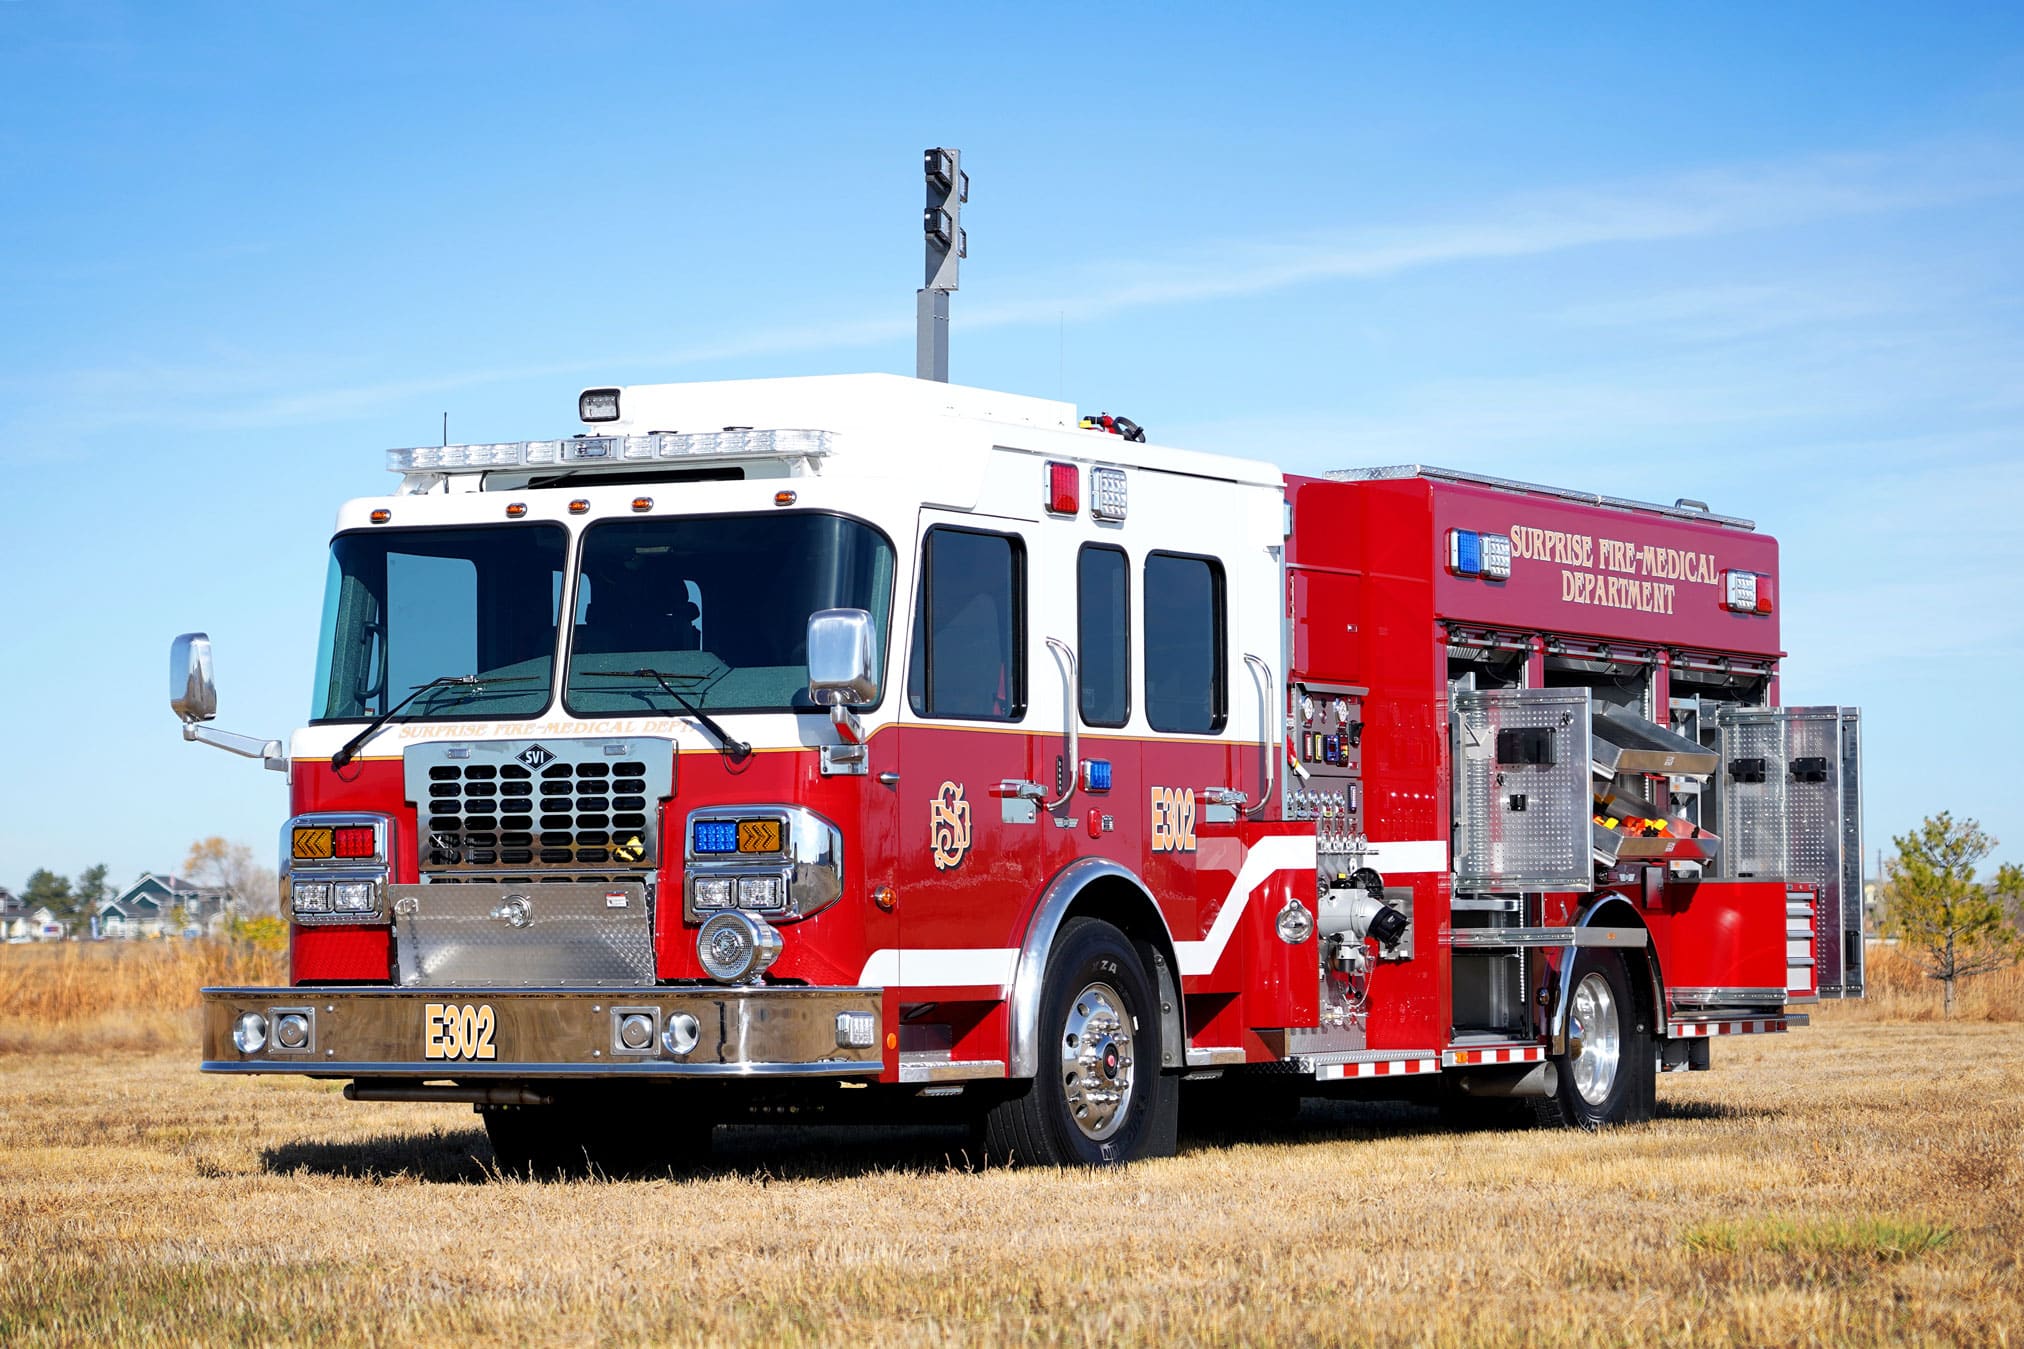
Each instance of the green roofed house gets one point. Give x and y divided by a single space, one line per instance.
156 906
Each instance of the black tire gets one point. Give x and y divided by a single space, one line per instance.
1594 1094
603 1134
1096 983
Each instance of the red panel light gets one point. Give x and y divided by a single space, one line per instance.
1064 489
354 841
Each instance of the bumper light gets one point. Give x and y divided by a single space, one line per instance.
856 1030
682 1034
736 948
249 1032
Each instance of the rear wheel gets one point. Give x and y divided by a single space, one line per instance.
1098 1097
1608 1074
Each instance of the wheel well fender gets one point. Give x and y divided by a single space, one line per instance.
1642 963
1093 887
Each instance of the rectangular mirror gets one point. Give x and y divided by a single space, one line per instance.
191 692
842 658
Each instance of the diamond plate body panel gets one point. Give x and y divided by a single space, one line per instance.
1522 825
1792 810
553 935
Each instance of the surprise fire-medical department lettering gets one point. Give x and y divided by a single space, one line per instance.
1614 573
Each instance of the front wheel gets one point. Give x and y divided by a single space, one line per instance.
1098 1097
1608 1074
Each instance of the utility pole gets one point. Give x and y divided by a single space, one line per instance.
947 243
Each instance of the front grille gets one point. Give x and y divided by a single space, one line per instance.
524 811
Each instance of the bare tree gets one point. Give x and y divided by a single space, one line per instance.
233 869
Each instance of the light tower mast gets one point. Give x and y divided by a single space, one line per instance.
947 245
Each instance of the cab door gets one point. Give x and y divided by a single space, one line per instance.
980 756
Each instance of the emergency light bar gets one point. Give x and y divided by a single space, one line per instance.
614 451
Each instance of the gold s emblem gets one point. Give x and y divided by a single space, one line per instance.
632 850
949 826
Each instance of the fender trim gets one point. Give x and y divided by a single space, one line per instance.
1609 911
1030 976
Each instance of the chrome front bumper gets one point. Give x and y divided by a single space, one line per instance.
460 1033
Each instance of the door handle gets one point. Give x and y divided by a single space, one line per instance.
1274 741
1074 709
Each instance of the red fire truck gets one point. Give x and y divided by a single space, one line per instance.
872 744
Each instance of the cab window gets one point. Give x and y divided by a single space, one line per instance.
969 648
1184 651
1103 634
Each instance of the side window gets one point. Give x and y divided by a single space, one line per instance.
1184 657
969 651
1103 634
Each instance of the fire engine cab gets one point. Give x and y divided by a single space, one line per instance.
873 744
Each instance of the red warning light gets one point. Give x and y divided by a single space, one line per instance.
1064 489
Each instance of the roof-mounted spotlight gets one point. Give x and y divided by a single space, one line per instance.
597 405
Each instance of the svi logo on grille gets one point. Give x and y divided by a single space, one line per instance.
534 756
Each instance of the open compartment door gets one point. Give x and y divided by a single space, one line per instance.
1523 817
1791 793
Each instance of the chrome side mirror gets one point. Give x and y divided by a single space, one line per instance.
195 699
842 658
191 693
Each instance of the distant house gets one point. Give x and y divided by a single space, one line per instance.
154 906
19 923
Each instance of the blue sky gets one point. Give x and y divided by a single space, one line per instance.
1764 256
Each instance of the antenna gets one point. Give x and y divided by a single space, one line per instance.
446 428
947 243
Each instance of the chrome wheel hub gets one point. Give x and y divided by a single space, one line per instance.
1096 1060
1596 1039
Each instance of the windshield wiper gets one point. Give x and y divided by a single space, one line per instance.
731 745
470 681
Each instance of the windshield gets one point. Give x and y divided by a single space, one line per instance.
404 607
717 606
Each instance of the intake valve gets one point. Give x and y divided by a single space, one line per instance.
1387 925
1362 914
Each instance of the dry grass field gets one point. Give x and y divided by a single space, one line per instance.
1855 1182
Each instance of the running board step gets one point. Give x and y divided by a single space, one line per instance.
941 1068
1506 937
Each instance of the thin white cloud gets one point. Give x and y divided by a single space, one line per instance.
1656 209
